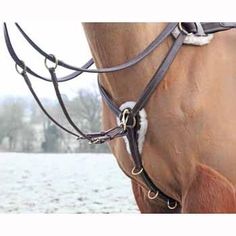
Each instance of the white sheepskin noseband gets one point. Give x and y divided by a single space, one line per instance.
143 126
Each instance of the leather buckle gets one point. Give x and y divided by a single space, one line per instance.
126 118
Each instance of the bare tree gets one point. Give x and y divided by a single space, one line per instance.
27 138
24 127
86 111
12 114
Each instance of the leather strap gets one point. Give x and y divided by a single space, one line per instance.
28 83
151 86
159 75
209 27
108 100
131 131
20 63
97 138
150 48
93 138
132 134
132 138
63 107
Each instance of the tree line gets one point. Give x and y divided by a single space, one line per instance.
24 127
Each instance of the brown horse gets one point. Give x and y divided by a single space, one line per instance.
190 145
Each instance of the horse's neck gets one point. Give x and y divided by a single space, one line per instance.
113 44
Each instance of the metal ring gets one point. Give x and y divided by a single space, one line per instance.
136 173
172 207
55 62
124 119
180 26
134 123
23 68
154 196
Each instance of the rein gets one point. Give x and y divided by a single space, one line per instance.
129 117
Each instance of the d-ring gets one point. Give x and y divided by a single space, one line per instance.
23 68
181 28
172 207
124 119
55 62
138 172
154 196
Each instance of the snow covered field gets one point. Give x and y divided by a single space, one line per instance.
63 183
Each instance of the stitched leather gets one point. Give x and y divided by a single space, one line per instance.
131 132
152 46
209 27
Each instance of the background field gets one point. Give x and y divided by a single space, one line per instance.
63 183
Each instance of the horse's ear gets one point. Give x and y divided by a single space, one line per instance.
209 192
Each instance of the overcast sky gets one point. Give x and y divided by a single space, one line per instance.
65 39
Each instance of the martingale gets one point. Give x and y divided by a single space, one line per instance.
129 117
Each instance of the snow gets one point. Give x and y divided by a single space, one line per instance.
63 183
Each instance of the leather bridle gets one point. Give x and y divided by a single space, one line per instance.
129 117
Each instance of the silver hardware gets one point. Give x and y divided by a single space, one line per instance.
125 118
55 62
180 26
173 206
152 195
136 172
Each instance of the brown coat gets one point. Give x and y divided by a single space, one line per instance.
190 145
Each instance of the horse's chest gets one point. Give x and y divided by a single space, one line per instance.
184 130
185 127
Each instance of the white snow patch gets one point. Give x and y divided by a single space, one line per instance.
63 183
